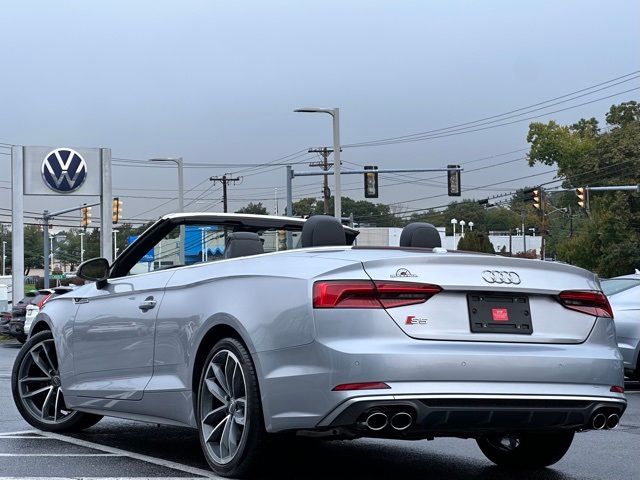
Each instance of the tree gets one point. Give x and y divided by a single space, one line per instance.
254 208
475 241
33 248
607 241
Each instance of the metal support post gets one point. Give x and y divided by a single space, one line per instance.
106 202
17 224
46 252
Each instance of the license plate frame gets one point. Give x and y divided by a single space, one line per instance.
499 313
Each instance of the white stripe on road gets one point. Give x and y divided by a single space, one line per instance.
137 456
61 455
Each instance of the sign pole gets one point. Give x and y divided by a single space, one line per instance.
45 256
17 224
106 199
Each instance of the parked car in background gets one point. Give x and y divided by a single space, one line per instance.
19 312
5 318
624 296
33 309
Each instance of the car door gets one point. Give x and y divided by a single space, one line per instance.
113 336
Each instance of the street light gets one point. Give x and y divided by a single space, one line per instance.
178 161
462 224
335 113
454 222
471 226
115 243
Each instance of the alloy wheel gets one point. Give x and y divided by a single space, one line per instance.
223 406
39 384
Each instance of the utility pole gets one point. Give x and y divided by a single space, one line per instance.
224 180
4 257
325 165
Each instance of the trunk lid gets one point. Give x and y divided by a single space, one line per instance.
487 298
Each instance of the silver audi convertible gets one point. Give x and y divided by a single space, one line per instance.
253 329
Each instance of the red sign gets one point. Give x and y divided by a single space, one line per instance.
500 314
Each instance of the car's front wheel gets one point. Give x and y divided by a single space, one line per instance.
231 425
37 392
532 450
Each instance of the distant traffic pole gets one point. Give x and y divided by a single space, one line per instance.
335 114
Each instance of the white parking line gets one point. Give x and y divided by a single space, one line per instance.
145 458
61 455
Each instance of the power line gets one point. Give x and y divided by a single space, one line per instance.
472 124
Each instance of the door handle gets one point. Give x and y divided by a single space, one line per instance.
148 304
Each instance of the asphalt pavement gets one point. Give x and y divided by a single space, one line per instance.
122 449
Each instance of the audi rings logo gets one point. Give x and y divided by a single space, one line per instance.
64 170
501 277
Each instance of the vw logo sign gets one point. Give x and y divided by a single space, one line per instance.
501 277
64 170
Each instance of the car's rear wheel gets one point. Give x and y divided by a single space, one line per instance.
37 392
532 450
230 417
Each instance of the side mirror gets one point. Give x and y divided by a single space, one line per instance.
95 270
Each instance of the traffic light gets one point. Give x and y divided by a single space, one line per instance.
371 182
85 216
537 198
116 214
454 188
527 194
581 193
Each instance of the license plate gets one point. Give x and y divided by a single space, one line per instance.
504 313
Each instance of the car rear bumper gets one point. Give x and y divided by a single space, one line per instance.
297 383
471 415
16 328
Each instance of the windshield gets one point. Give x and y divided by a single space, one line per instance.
617 285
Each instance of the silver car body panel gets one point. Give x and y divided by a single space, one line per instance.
626 314
117 360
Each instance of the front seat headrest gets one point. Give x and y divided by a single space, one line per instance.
419 234
243 244
322 231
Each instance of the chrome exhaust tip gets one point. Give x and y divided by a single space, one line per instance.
376 421
613 421
599 421
401 421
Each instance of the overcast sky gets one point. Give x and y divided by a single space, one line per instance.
216 82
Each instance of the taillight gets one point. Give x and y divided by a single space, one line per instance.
587 301
370 294
43 301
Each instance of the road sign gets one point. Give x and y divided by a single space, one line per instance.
57 276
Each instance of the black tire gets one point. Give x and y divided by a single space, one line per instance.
68 422
250 448
526 451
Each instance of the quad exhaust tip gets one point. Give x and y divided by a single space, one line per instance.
376 421
401 421
612 421
599 421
